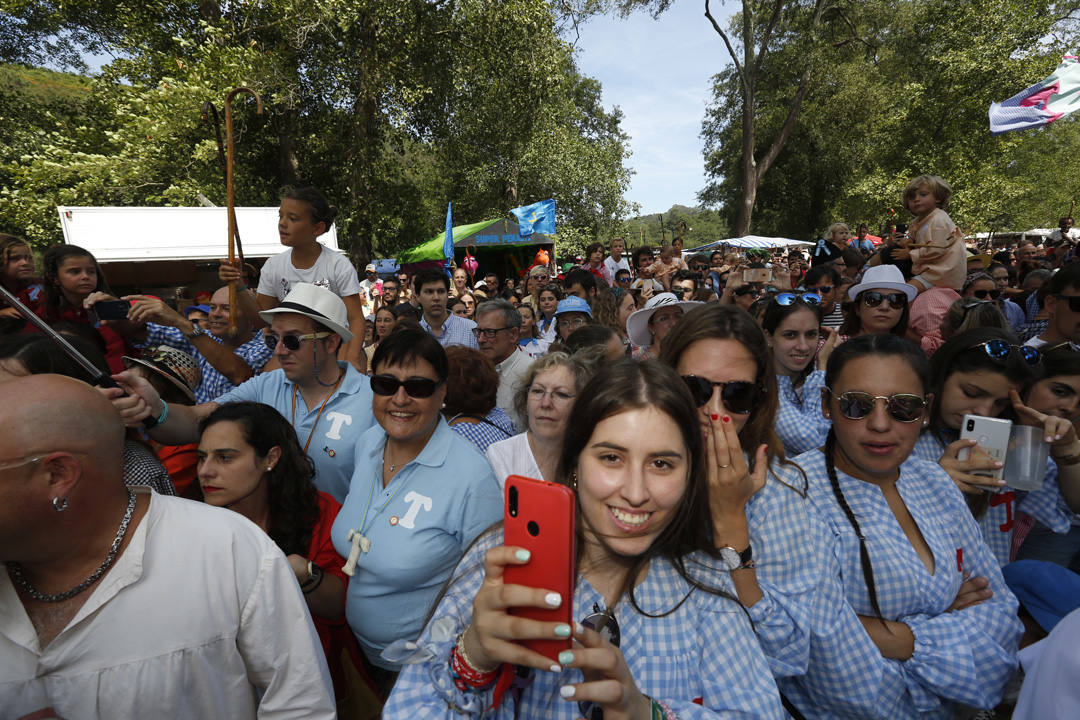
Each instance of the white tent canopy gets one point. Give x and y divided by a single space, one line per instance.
750 241
115 234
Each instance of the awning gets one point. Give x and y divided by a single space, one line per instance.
486 234
749 241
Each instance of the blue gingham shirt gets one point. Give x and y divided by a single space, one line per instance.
1014 314
254 352
963 657
799 422
456 330
998 522
1047 504
703 650
498 427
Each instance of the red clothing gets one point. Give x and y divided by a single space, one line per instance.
115 345
182 463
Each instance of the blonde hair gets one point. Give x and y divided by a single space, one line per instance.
834 228
939 187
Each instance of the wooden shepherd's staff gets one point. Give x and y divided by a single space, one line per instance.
231 151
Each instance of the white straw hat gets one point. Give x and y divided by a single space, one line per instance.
637 325
886 277
317 303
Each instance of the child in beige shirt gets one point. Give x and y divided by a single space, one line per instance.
937 255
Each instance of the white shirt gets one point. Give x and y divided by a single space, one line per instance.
513 456
331 270
1038 343
200 617
610 267
1050 691
512 372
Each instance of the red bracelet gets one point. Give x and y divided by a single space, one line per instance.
466 677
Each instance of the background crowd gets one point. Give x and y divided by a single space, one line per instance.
776 510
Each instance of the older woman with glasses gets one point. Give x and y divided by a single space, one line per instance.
420 494
545 398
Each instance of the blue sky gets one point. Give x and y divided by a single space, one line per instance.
658 72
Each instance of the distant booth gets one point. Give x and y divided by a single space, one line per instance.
496 244
172 252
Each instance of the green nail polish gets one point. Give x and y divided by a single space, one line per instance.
566 657
562 630
523 555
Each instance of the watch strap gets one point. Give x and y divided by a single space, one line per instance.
196 331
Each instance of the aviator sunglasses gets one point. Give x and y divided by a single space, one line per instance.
788 298
415 387
856 405
873 298
292 341
1000 349
739 396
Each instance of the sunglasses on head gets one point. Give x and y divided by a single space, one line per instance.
984 294
415 387
791 298
873 298
738 396
856 405
1074 301
1000 349
291 341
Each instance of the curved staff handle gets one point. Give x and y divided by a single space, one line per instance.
210 117
231 152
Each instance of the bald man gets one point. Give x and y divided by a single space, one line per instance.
121 603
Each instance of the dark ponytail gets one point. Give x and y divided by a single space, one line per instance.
321 209
864 554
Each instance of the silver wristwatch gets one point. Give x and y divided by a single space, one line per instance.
196 331
736 560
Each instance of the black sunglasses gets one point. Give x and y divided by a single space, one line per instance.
291 341
1074 301
873 298
992 294
748 290
738 396
415 387
821 289
792 298
856 405
1000 349
603 622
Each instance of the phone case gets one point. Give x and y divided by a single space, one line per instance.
991 435
111 309
539 516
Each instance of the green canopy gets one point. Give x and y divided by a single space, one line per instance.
489 233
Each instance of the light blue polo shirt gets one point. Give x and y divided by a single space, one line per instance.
344 419
434 508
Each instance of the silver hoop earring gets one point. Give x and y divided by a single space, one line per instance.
59 504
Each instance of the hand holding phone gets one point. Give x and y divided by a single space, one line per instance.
991 436
111 309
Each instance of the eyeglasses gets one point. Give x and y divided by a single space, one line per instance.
738 396
856 405
572 322
623 279
489 333
19 462
537 393
873 298
603 622
415 387
699 268
1000 349
792 298
992 294
292 341
821 289
748 290
1074 301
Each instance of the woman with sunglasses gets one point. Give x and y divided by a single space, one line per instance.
903 545
420 494
984 372
756 497
670 644
980 286
792 325
545 398
881 303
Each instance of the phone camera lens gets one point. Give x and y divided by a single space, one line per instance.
533 528
512 501
971 425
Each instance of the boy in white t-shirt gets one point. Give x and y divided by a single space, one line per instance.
615 261
304 215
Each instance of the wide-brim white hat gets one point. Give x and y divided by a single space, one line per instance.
637 325
885 277
317 303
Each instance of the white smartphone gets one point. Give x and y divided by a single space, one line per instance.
991 435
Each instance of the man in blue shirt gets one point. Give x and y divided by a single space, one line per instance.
225 361
328 403
432 288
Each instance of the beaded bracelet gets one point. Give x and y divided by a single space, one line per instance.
468 677
660 711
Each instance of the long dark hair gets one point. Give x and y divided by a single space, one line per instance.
294 501
728 322
775 313
853 323
880 344
55 302
629 385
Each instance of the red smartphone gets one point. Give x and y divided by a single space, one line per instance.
539 516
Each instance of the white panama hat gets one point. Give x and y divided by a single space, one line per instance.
637 325
883 277
317 303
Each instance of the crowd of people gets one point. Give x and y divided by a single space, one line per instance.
778 514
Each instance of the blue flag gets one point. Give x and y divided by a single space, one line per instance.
538 217
448 241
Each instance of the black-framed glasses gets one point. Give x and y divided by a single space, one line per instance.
991 294
1000 349
603 622
415 387
856 405
873 298
489 333
821 289
291 341
1074 301
748 290
738 396
788 298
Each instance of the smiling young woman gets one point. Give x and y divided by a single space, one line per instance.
683 647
